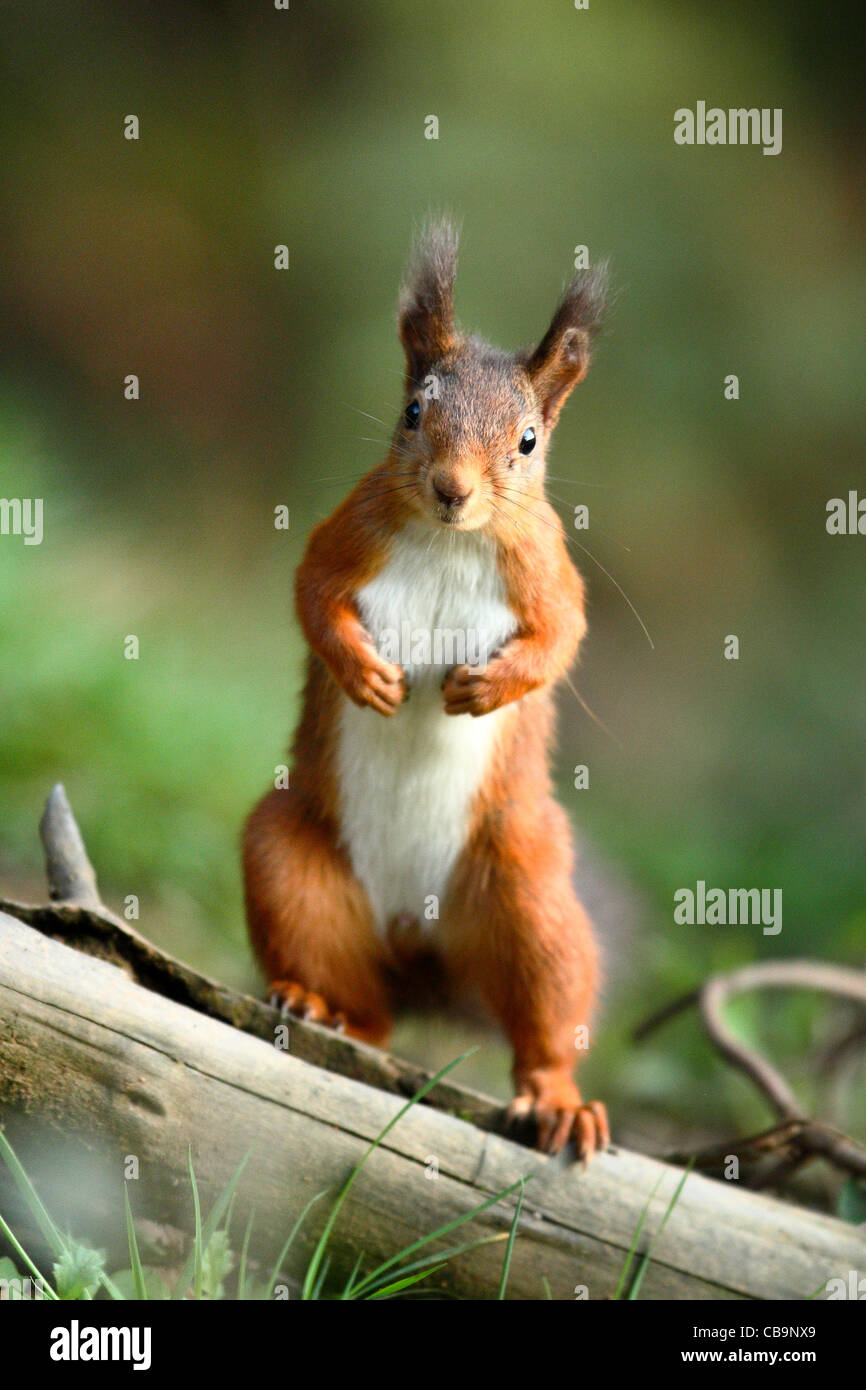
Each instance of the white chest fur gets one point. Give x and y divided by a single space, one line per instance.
408 782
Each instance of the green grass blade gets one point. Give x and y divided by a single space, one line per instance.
291 1239
318 1253
111 1288
326 1265
229 1214
134 1254
214 1218
442 1295
442 1231
390 1290
54 1237
635 1238
51 1232
441 1255
242 1267
196 1244
22 1253
548 1291
644 1264
347 1292
506 1264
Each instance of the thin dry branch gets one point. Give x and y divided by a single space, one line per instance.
813 1138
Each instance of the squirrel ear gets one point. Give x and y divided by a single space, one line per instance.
426 309
561 359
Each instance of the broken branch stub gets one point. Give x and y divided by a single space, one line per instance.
71 876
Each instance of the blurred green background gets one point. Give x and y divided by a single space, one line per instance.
156 257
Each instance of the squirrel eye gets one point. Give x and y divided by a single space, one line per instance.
411 415
527 441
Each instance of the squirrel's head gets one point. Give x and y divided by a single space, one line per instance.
476 422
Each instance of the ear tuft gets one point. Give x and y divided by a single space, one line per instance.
583 303
426 306
562 357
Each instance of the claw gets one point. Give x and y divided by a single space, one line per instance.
294 998
560 1116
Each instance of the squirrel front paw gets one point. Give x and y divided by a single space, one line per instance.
368 680
479 690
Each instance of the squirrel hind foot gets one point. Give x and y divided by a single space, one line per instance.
290 997
293 998
558 1120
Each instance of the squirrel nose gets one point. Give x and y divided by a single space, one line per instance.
449 496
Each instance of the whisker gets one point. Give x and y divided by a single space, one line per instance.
579 482
617 585
595 526
586 551
386 480
506 496
335 478
388 444
388 491
602 532
593 716
512 521
352 477
365 413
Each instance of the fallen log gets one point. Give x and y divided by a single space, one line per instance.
118 1059
97 1069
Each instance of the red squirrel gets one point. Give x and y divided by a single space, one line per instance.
419 828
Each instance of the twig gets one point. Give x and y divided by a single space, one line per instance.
838 1053
791 1143
813 1138
786 974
